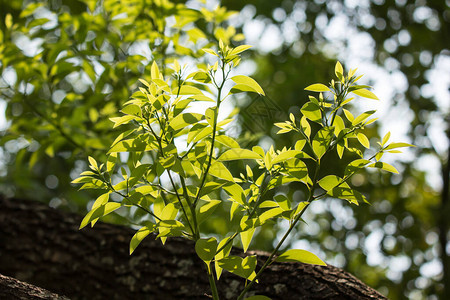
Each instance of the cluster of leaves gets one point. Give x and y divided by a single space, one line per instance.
67 67
177 163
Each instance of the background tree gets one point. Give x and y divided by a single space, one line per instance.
68 65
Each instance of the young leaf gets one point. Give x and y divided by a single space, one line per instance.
365 93
239 49
206 249
218 170
318 87
139 236
386 138
243 81
322 140
398 145
183 120
363 140
339 71
302 256
329 182
246 238
312 111
237 154
99 212
384 166
237 265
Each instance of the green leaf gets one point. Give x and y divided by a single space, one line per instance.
237 154
398 145
302 256
237 265
187 90
207 209
301 207
210 51
386 138
363 140
135 145
99 212
339 71
329 182
363 117
239 49
365 93
186 119
312 111
227 141
348 115
384 166
246 238
322 140
289 154
223 253
318 87
206 249
338 124
139 236
356 165
270 214
219 170
245 83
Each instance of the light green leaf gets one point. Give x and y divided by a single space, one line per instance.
227 141
210 51
363 117
386 138
302 256
356 165
384 166
133 145
187 90
269 214
207 209
219 170
246 238
312 111
329 182
239 49
139 236
318 87
237 265
301 207
365 93
206 249
348 115
186 119
237 154
398 145
99 212
322 140
339 71
242 80
363 140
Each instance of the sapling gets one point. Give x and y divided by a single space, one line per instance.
177 168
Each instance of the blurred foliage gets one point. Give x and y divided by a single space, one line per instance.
67 67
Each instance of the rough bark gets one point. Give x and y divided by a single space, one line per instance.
43 246
11 288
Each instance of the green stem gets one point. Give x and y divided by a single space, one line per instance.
211 151
212 283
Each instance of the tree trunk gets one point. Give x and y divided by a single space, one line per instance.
43 246
11 288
